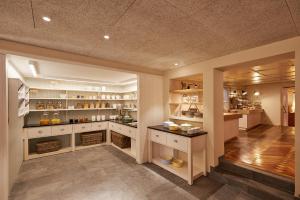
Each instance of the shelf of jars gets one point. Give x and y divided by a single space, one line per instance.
41 100
54 106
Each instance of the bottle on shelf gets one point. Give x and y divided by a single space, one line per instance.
45 119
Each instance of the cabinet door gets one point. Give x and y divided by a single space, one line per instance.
62 130
177 142
81 128
99 126
39 132
158 137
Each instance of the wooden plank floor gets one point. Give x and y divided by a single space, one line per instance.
268 148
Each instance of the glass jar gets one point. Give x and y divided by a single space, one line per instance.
44 119
40 105
56 118
50 105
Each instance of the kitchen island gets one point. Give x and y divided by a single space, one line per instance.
231 125
164 144
251 118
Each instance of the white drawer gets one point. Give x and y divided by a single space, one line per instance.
177 142
39 132
99 126
61 130
158 137
132 132
80 128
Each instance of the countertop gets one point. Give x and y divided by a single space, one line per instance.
67 123
178 132
231 116
247 111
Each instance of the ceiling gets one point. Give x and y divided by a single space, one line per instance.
281 71
63 71
150 33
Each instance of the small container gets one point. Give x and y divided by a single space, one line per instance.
166 161
93 118
98 118
44 121
56 118
71 121
185 127
173 127
103 117
76 121
167 123
177 163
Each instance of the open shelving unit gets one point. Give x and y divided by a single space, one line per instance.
184 94
78 103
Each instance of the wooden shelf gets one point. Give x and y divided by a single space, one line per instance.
187 91
181 172
36 155
186 118
79 99
53 89
126 150
53 110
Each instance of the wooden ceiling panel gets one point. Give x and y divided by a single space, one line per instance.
282 71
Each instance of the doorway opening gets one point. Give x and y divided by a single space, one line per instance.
261 136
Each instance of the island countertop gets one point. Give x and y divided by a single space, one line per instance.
231 116
178 132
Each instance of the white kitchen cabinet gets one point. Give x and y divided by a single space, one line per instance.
192 150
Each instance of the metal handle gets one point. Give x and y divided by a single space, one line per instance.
83 127
40 132
175 141
157 135
62 129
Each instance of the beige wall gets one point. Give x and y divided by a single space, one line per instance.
270 97
3 132
255 56
150 109
15 141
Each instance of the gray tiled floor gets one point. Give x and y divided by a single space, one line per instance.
105 173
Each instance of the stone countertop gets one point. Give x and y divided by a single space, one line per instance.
178 132
231 116
126 124
67 123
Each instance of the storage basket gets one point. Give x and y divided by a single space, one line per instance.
120 140
48 146
92 138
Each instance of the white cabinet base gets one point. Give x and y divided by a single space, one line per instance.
192 150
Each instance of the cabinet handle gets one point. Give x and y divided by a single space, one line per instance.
62 129
83 127
157 135
175 141
40 132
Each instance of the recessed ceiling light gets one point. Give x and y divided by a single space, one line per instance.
46 19
106 37
176 64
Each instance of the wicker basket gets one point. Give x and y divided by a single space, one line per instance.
121 141
48 146
92 138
